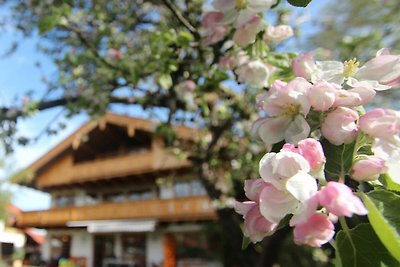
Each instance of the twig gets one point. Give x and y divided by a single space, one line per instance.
180 17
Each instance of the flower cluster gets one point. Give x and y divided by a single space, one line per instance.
243 18
324 102
333 92
288 186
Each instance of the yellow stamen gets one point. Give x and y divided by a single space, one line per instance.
241 4
290 110
350 67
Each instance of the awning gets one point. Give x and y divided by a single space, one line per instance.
115 226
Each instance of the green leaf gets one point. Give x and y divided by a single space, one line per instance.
299 3
165 81
46 23
338 159
383 213
245 242
389 183
184 38
360 247
284 222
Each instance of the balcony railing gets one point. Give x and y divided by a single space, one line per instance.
177 209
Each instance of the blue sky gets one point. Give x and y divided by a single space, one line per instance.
19 75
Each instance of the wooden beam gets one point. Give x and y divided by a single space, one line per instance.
192 208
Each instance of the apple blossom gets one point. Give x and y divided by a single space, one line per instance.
361 93
338 199
322 95
384 68
287 172
239 12
384 126
337 72
277 168
256 226
214 30
255 73
382 123
304 65
253 188
185 93
339 126
278 33
311 150
247 33
288 99
317 231
287 104
368 169
276 204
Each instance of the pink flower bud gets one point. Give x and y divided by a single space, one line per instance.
368 169
317 231
256 227
338 199
278 33
322 95
339 126
310 149
382 123
304 65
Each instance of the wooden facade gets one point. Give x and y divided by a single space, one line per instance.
178 209
65 167
107 168
116 171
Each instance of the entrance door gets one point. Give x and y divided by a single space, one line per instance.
103 249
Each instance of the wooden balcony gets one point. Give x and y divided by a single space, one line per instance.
178 209
65 172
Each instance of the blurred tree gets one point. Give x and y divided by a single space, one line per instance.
140 53
357 27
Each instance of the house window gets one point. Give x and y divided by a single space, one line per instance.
142 195
63 201
182 189
198 188
189 188
115 197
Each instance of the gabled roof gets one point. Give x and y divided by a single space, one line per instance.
110 118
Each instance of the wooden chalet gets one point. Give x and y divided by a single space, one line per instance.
120 198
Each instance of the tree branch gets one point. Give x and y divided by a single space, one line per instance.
180 17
